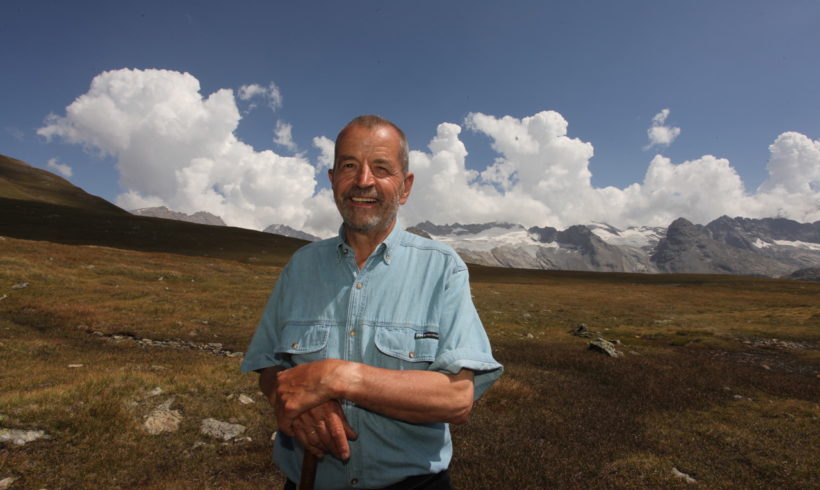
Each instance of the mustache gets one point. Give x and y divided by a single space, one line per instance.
370 193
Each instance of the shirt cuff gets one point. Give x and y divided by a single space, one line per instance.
261 362
487 370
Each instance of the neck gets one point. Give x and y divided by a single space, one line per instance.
365 242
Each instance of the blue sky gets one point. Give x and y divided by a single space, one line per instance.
731 78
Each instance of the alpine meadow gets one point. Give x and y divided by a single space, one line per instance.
121 338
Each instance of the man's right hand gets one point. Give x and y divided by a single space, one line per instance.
324 429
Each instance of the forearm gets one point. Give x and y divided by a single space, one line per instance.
412 396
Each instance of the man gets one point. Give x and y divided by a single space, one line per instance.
370 344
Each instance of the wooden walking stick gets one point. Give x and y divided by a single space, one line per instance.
308 478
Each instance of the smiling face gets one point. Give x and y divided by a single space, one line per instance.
368 182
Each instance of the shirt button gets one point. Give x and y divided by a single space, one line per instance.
294 346
359 285
412 355
344 251
354 481
352 333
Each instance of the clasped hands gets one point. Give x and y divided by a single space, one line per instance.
307 407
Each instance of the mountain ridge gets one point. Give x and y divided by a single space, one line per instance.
37 204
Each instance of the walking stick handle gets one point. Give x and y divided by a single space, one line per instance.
308 478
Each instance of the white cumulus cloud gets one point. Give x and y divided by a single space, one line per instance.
283 135
659 133
271 93
325 146
177 147
61 168
541 177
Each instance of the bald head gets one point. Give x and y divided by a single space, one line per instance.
371 121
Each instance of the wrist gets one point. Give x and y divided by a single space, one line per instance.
343 377
333 378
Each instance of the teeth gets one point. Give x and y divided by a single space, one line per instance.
364 199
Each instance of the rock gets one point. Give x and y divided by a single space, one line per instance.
678 473
21 437
245 399
163 419
21 285
581 331
155 392
7 482
605 347
74 366
220 430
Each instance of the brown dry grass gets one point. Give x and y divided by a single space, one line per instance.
701 386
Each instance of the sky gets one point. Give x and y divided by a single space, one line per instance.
543 113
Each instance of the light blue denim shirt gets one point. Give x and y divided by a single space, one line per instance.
409 307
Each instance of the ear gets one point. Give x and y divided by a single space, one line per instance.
330 175
408 186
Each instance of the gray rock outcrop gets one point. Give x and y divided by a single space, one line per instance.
221 430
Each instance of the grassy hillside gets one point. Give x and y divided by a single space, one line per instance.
36 204
19 180
106 318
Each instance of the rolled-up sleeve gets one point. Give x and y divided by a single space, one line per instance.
261 352
463 343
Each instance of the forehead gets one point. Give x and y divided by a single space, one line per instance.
363 142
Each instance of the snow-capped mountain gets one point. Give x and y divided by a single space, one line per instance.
765 247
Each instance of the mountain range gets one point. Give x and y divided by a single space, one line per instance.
773 247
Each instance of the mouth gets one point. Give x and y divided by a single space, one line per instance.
363 200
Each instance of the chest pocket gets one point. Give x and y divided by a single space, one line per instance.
406 348
301 343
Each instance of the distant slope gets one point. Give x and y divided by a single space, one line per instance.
38 205
286 230
201 217
19 180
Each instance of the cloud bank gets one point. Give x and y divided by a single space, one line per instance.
177 147
542 177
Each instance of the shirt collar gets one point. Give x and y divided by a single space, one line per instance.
387 248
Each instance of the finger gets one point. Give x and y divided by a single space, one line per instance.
337 412
317 429
325 437
283 423
308 438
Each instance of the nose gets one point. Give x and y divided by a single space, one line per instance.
365 177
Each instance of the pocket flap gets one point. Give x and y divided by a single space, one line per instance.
407 344
302 339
